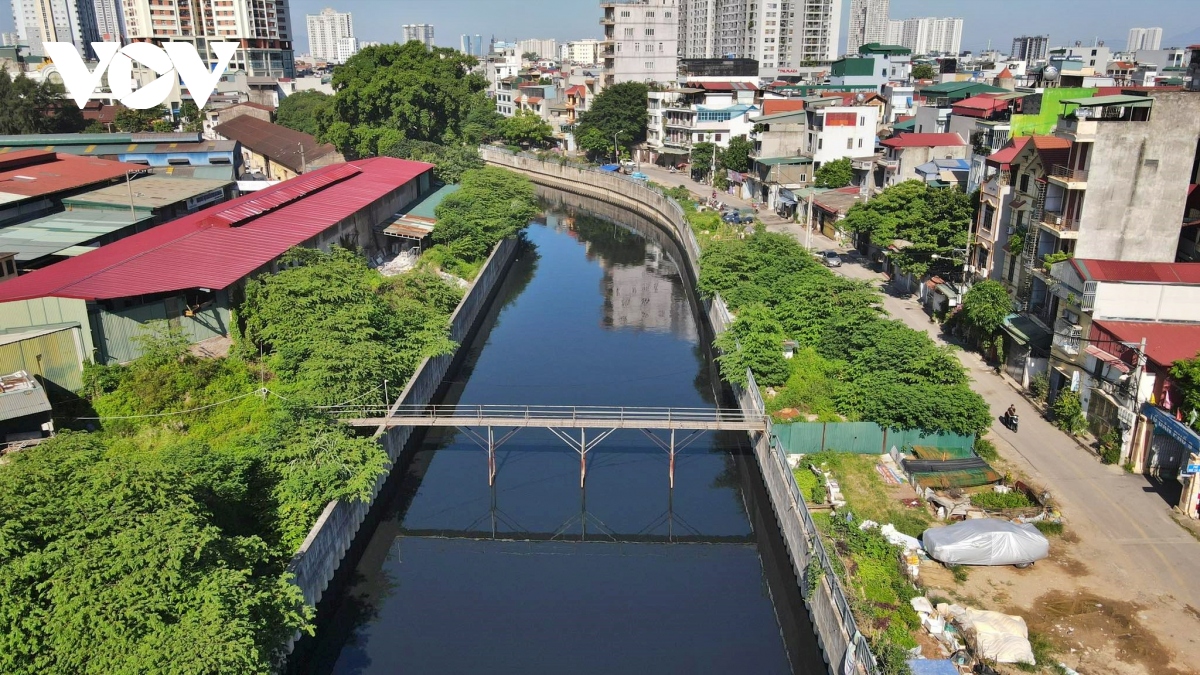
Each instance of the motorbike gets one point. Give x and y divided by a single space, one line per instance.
1010 421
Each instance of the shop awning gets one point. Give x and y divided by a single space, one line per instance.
1114 361
785 199
1026 331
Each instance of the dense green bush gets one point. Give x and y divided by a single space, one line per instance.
491 205
878 369
1110 447
1068 412
998 501
1039 386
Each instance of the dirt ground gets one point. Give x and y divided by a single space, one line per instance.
1100 619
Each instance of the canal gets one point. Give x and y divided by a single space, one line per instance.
535 574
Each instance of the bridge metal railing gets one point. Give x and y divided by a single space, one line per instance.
467 413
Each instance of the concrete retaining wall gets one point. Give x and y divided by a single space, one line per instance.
318 558
845 649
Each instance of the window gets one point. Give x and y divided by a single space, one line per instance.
718 138
625 14
860 142
820 143
650 15
849 143
660 47
666 15
862 120
649 65
649 31
1025 182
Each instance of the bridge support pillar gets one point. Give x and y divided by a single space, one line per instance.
672 448
582 446
489 443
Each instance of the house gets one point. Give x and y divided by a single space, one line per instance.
276 151
905 152
191 270
1100 303
991 228
830 208
216 116
24 409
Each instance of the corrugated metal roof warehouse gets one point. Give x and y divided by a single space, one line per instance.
156 273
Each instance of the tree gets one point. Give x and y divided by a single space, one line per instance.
392 92
302 110
1068 412
702 158
491 205
529 56
737 156
936 221
482 122
619 110
162 126
754 342
451 160
836 174
924 71
28 107
984 307
1185 374
131 120
526 128
594 143
190 116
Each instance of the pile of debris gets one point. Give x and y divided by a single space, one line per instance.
971 636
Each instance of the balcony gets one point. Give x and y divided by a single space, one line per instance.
1076 129
1072 179
1067 337
1061 225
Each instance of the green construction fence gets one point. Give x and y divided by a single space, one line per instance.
865 438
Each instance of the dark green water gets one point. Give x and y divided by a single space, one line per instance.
624 576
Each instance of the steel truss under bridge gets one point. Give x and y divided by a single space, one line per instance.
562 421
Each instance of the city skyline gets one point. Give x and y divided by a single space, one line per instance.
567 20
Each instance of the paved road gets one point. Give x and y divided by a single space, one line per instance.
1126 524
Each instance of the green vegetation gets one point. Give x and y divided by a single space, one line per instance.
860 365
1049 528
984 307
1051 258
836 174
960 572
986 449
1186 376
302 111
1068 413
1110 447
392 92
736 157
491 205
28 107
131 120
527 129
451 160
190 118
936 220
998 501
812 486
160 541
1043 653
702 158
620 111
1039 386
923 71
868 497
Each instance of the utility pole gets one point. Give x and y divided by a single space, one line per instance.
616 149
129 186
303 163
808 223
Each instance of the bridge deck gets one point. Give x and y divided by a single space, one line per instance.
553 417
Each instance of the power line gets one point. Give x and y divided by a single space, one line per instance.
257 392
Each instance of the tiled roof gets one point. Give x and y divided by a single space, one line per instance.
216 247
1004 156
923 141
1138 272
725 86
773 106
275 142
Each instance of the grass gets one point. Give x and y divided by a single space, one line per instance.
1043 653
960 573
986 449
811 485
866 494
1048 528
998 501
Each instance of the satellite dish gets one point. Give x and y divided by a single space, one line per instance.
1050 73
859 97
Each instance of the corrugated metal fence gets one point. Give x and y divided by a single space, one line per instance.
51 355
864 438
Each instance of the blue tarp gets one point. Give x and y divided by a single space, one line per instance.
610 167
932 667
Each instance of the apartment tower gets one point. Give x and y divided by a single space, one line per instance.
421 32
927 35
324 32
868 23
74 21
1144 38
641 41
1030 48
779 34
262 29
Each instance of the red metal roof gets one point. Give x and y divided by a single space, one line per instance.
923 141
1166 343
979 106
1138 272
1004 156
781 105
218 246
36 173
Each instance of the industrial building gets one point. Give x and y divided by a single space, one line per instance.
190 271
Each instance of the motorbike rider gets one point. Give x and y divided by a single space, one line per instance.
1010 416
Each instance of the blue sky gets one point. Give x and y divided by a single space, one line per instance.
997 20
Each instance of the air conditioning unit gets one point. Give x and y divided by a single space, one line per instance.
1058 219
1076 330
